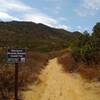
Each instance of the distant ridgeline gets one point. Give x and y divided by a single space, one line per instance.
34 36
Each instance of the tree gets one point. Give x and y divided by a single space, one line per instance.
85 47
96 36
96 42
96 29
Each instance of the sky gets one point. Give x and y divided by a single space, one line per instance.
71 15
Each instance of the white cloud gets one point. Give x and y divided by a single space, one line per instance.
91 4
81 29
40 18
26 13
63 27
13 5
8 6
7 17
88 7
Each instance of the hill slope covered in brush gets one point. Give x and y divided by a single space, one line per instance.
34 36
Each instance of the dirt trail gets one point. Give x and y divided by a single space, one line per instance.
57 85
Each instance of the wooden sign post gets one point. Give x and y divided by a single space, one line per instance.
16 81
16 56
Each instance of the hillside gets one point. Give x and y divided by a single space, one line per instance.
37 37
43 43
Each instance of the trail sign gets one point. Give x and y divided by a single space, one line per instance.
16 55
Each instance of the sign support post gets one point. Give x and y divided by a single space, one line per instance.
16 81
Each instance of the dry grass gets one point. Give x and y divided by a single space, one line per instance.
90 72
67 62
28 74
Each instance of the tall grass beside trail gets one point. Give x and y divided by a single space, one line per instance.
68 62
89 72
28 74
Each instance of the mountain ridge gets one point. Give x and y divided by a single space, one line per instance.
38 37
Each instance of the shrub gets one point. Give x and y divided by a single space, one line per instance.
89 72
28 74
68 62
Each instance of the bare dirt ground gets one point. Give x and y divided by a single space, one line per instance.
58 85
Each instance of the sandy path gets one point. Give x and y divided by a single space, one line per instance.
57 85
